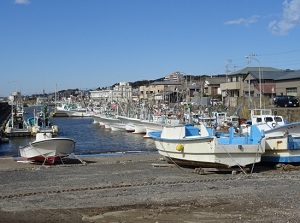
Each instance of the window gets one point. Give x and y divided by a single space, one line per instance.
291 91
268 119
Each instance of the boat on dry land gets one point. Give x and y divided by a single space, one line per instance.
282 139
200 147
47 149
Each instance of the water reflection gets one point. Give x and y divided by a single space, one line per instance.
90 138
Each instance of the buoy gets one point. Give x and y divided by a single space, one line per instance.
179 147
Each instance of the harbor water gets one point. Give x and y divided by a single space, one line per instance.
91 139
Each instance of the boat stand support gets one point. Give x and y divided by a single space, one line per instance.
233 170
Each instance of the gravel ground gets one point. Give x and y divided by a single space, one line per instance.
142 188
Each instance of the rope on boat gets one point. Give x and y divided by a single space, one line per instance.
234 161
256 155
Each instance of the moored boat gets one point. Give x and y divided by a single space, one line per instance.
40 123
16 125
133 123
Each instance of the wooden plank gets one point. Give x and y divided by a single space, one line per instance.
163 165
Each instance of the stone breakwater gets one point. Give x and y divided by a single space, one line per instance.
5 111
140 188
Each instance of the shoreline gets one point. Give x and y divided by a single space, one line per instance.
132 189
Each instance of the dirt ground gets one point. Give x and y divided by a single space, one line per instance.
132 189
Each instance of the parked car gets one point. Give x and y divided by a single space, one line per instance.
286 101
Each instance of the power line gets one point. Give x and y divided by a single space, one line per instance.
278 53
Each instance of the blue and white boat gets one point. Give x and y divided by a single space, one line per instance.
193 146
40 123
282 149
282 139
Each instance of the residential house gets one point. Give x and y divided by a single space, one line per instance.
288 83
234 87
164 91
212 85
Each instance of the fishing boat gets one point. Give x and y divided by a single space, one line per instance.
40 123
265 120
200 147
282 139
16 125
282 149
117 126
47 149
133 124
157 124
107 120
273 125
72 109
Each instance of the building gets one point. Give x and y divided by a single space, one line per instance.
176 76
212 85
160 91
258 82
119 93
288 83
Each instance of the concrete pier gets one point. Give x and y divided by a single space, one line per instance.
5 111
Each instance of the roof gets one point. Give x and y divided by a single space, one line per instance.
289 74
266 88
277 75
166 83
215 80
246 70
266 75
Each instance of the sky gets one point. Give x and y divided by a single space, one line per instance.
48 45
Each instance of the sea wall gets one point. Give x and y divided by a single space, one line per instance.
5 111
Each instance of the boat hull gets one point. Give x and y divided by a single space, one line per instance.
285 149
207 150
117 127
207 153
48 149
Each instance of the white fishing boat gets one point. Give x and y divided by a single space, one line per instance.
16 125
40 123
135 123
158 125
283 149
282 140
107 120
117 127
264 119
129 127
72 109
47 149
273 125
188 145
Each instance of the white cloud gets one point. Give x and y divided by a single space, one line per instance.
22 2
290 18
243 21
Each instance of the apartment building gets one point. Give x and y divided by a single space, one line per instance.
120 93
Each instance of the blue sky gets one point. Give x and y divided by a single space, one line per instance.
96 43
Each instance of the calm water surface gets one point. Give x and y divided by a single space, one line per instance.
90 138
